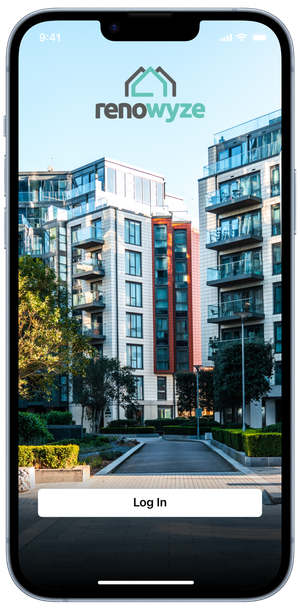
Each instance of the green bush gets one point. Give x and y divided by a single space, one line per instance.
48 456
257 444
93 439
123 423
56 418
233 438
217 434
273 428
132 430
31 426
109 454
160 423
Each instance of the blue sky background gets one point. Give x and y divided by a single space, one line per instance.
60 83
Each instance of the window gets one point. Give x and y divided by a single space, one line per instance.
162 358
161 388
180 271
240 187
161 270
276 248
64 388
181 304
160 239
139 384
138 188
278 337
275 212
161 300
182 357
111 180
277 298
164 412
132 232
180 246
182 335
134 356
134 326
133 294
99 348
74 234
278 373
275 181
62 238
159 193
162 331
146 190
133 263
63 268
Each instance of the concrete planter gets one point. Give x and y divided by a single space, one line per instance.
27 478
242 458
78 474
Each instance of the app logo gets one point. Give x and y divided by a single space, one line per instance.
159 73
134 86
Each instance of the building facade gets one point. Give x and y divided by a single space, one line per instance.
240 246
130 257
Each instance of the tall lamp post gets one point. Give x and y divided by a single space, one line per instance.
198 414
243 315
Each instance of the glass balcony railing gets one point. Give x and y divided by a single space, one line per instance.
88 265
237 228
229 194
250 156
94 330
86 208
83 189
87 234
262 121
236 269
23 221
40 195
88 298
230 308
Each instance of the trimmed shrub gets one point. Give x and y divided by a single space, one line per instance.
217 434
160 423
56 418
123 423
233 438
31 426
93 439
273 428
48 456
258 444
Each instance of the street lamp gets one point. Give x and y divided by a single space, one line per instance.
198 414
243 315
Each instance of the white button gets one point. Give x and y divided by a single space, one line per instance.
150 502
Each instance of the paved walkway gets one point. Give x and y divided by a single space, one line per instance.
85 550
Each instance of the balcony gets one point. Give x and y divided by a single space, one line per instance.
250 156
227 200
235 273
225 312
237 233
39 196
87 238
89 301
88 269
263 121
94 330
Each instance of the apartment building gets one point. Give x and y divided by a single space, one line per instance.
240 246
130 256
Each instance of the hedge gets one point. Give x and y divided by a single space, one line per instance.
160 423
254 443
266 444
55 418
95 440
132 430
122 423
48 456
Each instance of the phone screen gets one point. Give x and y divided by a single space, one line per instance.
151 255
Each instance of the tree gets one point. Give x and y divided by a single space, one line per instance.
259 366
50 340
32 427
104 382
186 390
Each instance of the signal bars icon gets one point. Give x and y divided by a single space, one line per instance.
227 38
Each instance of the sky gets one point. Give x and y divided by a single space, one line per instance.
62 80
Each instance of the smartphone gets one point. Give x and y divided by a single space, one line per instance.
149 153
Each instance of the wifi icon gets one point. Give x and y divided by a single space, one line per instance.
241 37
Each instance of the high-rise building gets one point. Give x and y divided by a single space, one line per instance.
130 256
240 246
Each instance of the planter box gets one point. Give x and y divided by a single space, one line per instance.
27 478
78 474
242 458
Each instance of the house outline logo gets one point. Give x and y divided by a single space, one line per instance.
141 74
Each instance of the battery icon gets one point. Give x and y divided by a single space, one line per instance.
259 37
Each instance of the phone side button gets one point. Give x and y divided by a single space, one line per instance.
295 201
4 126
